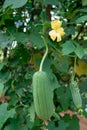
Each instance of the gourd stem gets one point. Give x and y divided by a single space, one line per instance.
45 54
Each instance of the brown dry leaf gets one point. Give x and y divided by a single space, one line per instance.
81 68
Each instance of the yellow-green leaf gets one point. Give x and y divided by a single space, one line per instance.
81 68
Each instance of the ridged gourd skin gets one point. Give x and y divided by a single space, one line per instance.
76 94
42 95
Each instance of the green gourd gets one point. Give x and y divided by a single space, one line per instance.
76 94
42 95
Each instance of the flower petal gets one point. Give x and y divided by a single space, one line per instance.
53 34
61 31
56 24
58 37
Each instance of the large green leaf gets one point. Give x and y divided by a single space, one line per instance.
4 76
14 3
21 37
81 19
36 39
52 77
66 123
68 47
5 114
83 10
70 30
51 126
54 81
62 64
79 51
61 125
16 124
75 122
84 2
63 97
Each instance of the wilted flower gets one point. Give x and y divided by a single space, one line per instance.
57 31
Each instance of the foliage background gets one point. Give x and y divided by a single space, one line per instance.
21 49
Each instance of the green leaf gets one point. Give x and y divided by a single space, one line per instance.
14 3
75 122
54 81
61 125
70 30
63 97
85 51
79 51
1 88
84 2
32 112
4 40
29 123
62 64
5 114
16 124
2 65
6 16
83 10
52 77
68 47
12 127
83 90
43 15
65 124
4 76
36 128
51 2
81 19
21 37
51 126
36 39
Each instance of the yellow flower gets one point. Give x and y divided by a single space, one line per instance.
60 31
54 34
57 31
58 37
56 24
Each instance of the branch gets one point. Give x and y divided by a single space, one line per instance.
81 29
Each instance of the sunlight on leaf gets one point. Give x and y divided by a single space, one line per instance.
81 68
14 3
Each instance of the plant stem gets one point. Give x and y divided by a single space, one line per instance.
80 31
45 43
45 54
